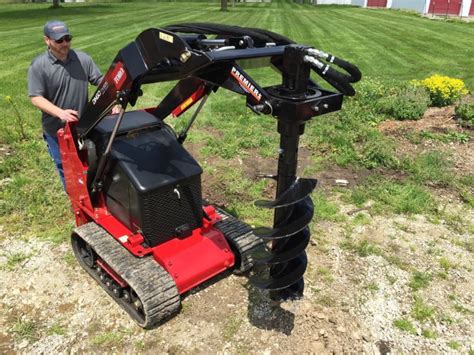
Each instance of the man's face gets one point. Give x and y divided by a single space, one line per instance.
60 46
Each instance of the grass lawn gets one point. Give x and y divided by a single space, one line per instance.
391 45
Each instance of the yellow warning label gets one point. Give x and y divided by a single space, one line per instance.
186 103
166 37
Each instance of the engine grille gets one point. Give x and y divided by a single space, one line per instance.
166 210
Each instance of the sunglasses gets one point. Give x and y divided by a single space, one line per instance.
65 38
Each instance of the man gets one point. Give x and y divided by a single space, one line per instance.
57 84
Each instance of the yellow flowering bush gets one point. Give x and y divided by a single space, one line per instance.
443 89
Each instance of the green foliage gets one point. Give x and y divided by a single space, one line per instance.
108 339
397 261
372 286
461 309
70 259
465 114
326 210
388 195
404 102
25 329
57 329
17 128
361 219
433 166
369 90
350 137
454 345
419 280
326 301
325 274
445 264
231 327
448 137
378 152
15 259
363 248
421 311
33 193
429 334
405 325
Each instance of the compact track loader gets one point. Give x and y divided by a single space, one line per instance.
143 230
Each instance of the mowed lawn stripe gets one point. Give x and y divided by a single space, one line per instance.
389 44
101 37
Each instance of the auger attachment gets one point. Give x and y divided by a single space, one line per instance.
294 102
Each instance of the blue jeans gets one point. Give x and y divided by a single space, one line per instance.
53 149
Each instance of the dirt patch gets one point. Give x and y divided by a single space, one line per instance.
350 304
436 119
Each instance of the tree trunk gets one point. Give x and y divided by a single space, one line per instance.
223 5
55 4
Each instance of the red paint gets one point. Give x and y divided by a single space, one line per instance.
377 3
111 273
118 75
195 259
190 101
445 7
75 174
190 261
471 10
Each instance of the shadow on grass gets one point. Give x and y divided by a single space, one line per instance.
37 13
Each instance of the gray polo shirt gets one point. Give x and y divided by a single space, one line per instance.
62 83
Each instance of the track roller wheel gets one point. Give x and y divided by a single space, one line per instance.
150 296
86 253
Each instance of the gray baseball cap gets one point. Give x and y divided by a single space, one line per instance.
56 29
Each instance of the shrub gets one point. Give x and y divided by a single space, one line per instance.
443 90
406 102
377 153
419 280
465 114
404 324
370 90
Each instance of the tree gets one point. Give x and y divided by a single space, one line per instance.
223 5
55 4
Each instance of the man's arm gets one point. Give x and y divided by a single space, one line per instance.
95 76
53 110
36 91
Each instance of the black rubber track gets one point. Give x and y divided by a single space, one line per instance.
153 285
242 239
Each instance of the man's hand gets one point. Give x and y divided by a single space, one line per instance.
68 115
116 109
44 105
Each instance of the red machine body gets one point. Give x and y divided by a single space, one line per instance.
190 261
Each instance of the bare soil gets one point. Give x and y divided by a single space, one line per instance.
351 301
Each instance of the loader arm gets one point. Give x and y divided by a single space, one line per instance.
159 55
